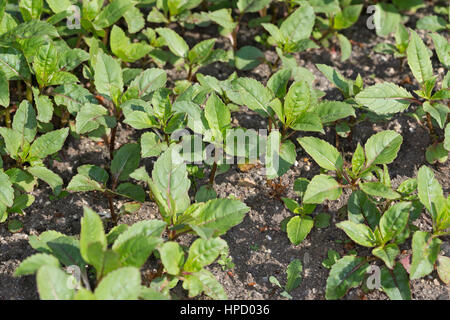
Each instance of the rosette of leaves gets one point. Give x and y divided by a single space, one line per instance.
388 98
191 59
299 226
383 233
94 17
229 26
169 185
426 245
364 172
94 178
293 34
107 265
31 54
99 115
367 227
166 11
401 43
219 141
436 22
332 17
26 153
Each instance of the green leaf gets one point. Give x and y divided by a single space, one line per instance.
45 63
251 5
172 257
90 117
443 269
58 6
253 94
146 228
6 190
298 228
438 111
126 50
322 220
91 231
429 190
149 81
280 156
219 215
358 232
4 90
25 121
13 64
121 284
175 43
378 189
134 251
442 47
332 258
346 47
125 161
330 111
218 116
204 252
134 19
320 188
362 210
52 284
151 145
386 19
346 273
382 147
48 143
347 17
204 281
31 9
294 275
248 58
112 12
345 85
33 263
425 251
396 283
44 107
278 82
169 176
388 253
299 24
108 76
53 180
431 23
436 152
81 183
326 156
73 97
418 58
131 191
384 98
394 220
201 51
94 172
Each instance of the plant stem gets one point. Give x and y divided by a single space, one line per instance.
29 94
213 174
111 209
8 117
431 128
106 37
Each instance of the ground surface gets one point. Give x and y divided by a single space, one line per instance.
259 247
